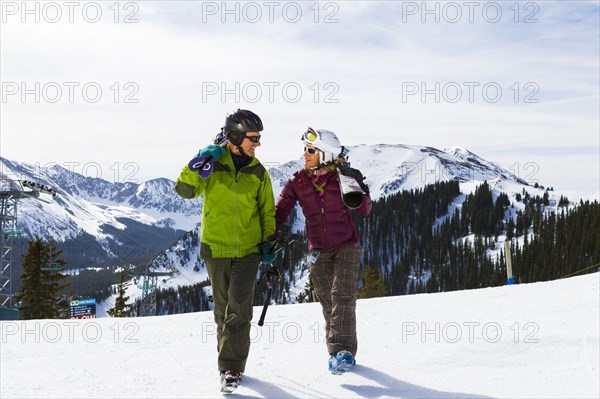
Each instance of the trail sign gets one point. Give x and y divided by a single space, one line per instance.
82 309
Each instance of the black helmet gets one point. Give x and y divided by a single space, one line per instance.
239 123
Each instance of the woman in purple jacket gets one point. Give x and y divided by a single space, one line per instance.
333 244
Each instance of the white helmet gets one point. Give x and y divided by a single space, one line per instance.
325 141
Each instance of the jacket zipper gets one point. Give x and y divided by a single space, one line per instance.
235 237
236 252
324 219
322 204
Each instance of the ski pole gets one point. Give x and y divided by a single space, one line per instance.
280 240
261 321
267 277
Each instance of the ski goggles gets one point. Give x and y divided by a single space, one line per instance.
310 135
311 151
254 139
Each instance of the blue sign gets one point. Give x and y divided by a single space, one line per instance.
82 302
83 309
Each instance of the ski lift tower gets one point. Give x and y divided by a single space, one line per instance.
148 286
11 191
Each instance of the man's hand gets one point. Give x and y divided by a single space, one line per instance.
266 257
213 150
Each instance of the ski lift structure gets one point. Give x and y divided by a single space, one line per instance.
52 267
147 281
13 233
11 192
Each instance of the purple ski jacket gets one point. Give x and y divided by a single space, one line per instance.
328 222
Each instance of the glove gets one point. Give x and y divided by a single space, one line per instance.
213 150
265 256
356 175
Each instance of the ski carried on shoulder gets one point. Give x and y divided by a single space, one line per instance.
352 184
205 165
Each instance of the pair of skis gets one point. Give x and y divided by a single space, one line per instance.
352 192
205 164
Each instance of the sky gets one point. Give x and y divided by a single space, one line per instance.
535 340
130 91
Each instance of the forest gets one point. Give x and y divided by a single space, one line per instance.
437 239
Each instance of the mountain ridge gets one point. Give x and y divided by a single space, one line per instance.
95 208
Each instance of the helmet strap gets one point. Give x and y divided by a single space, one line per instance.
322 158
242 153
321 166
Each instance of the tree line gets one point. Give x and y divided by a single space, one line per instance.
430 239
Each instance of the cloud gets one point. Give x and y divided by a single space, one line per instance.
374 72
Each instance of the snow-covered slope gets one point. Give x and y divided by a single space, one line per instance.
84 204
523 341
87 203
181 260
389 169
393 168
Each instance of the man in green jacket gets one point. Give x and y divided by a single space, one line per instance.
237 217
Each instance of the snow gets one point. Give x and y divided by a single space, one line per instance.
84 204
532 340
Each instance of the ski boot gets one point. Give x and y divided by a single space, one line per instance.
341 362
345 361
332 365
230 380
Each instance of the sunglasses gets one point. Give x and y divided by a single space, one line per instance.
254 139
311 151
310 135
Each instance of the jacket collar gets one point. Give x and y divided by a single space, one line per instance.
228 160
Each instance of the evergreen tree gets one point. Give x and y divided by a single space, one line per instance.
564 201
510 229
308 295
40 295
518 197
121 308
373 284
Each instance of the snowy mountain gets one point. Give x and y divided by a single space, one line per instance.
94 220
537 340
128 220
393 168
86 203
389 169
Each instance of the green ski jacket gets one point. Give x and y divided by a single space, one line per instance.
238 212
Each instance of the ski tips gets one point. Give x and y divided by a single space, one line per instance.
203 164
